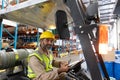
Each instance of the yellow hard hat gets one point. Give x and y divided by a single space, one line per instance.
47 34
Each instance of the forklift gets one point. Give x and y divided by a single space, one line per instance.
85 20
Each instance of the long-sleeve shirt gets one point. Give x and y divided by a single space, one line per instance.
40 71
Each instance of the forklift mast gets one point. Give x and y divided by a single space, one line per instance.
82 18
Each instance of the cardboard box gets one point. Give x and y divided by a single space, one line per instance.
4 45
110 56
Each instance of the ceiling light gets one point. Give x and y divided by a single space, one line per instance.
52 27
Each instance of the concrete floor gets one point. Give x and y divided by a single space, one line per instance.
72 57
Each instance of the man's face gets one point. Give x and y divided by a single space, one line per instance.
46 43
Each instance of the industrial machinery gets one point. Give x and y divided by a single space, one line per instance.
14 62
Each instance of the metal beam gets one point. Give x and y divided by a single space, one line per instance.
15 37
105 13
117 8
106 9
21 5
107 4
1 29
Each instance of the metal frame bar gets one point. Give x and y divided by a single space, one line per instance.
89 54
20 5
38 37
15 38
1 29
2 4
17 1
8 32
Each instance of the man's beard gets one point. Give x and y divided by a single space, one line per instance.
47 46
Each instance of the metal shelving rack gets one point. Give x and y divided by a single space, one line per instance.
13 36
8 9
2 28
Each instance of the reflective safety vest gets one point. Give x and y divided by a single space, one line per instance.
47 63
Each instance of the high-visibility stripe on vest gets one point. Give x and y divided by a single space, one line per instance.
46 61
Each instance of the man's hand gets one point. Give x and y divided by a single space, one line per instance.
63 67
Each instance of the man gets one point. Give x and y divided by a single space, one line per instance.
41 62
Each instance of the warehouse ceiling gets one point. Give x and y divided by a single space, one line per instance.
42 14
105 9
39 15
